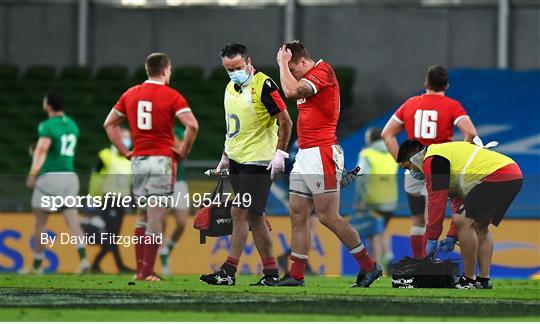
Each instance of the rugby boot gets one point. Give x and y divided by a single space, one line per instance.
219 278
365 279
288 281
465 283
152 277
484 283
267 280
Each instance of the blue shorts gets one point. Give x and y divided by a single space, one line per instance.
367 225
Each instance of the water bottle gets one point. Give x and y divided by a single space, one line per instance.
349 177
215 173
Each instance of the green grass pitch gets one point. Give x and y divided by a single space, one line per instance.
185 298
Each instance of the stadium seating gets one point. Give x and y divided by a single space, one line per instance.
75 73
8 72
112 73
346 79
89 97
40 73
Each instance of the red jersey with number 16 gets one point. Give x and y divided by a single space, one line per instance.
151 108
318 115
430 118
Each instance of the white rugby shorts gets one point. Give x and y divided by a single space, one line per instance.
316 170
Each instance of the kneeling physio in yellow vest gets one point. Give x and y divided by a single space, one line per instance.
482 183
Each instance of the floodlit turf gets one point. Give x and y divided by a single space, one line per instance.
110 298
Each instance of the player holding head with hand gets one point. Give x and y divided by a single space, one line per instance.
151 109
316 174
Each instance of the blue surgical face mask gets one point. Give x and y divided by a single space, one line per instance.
239 76
127 143
417 175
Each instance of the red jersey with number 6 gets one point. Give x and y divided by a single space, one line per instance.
318 115
151 108
430 118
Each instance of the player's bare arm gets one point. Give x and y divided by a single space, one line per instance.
112 127
38 158
292 88
466 126
285 129
190 134
389 136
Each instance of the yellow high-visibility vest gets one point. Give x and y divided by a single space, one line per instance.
382 180
251 131
114 177
469 164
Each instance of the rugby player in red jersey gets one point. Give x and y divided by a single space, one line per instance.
316 174
150 109
429 118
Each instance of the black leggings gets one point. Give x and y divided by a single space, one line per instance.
113 218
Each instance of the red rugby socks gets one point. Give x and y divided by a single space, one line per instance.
230 265
270 266
150 253
365 262
418 245
140 233
298 266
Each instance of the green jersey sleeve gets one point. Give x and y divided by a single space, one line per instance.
179 131
44 130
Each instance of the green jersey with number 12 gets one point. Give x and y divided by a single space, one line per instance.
64 135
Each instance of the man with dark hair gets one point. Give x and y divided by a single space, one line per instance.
437 78
53 174
316 174
151 108
258 132
429 118
55 100
485 182
233 49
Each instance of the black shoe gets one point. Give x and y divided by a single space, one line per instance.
465 283
219 278
484 284
288 281
365 279
267 280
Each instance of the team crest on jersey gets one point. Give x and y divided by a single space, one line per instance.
301 101
253 95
